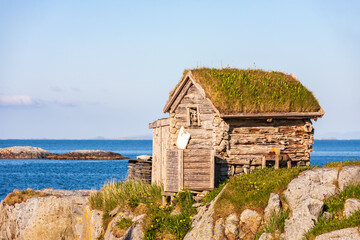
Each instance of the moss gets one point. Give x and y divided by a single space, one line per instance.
254 91
21 196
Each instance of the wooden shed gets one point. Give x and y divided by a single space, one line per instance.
225 122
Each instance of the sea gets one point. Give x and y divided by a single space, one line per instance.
93 174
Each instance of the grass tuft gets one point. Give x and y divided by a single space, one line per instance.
128 194
275 223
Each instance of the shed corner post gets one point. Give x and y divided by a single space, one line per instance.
181 169
212 169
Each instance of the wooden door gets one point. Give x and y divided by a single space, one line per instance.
189 169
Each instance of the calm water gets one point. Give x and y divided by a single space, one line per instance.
71 175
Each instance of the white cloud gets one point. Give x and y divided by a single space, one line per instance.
28 101
17 101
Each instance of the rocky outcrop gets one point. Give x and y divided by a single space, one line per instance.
23 153
305 195
342 234
88 155
249 223
59 215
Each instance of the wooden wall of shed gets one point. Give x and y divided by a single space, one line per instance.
239 141
161 142
201 136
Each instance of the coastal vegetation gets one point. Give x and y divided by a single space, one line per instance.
335 206
252 191
343 163
18 196
254 90
171 221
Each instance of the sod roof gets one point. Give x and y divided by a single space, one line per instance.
234 91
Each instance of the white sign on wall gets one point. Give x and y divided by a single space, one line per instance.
183 138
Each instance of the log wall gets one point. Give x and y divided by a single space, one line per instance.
140 170
240 144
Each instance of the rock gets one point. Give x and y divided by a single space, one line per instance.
87 155
23 153
249 223
144 157
114 212
203 223
274 206
351 206
64 216
343 234
231 227
266 236
134 232
196 205
303 218
349 175
317 183
327 216
219 230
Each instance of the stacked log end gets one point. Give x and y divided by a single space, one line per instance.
140 169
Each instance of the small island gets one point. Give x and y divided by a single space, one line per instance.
28 152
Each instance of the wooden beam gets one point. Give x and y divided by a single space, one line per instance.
160 123
181 169
286 115
212 169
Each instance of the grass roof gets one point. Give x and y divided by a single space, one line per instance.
254 91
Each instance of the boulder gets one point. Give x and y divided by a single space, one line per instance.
59 214
26 152
342 234
218 230
317 184
232 226
274 206
249 223
266 236
349 175
303 218
351 206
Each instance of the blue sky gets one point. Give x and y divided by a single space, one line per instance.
83 69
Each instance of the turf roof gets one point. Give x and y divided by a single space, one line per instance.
254 91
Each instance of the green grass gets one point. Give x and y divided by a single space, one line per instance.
213 193
253 190
124 223
164 225
169 222
275 223
335 205
254 91
128 194
343 163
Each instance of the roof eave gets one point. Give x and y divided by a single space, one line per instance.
288 115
